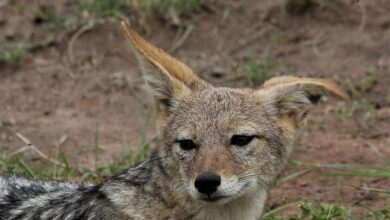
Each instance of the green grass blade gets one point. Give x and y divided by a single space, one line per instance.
27 169
280 208
296 175
362 174
379 154
369 189
96 148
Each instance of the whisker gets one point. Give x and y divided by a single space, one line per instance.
250 175
254 176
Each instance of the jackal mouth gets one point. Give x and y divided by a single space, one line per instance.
213 198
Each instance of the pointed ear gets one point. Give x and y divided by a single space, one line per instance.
166 78
292 98
148 53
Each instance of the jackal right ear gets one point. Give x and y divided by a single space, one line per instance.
292 98
167 79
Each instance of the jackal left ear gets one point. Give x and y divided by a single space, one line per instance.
293 97
168 80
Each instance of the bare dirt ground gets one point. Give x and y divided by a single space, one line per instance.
68 89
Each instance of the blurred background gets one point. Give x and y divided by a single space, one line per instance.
72 103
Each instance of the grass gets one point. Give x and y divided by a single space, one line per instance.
61 165
49 16
97 10
361 109
310 211
260 69
119 8
331 211
67 168
13 48
346 170
315 212
11 51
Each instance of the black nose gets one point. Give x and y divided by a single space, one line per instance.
207 182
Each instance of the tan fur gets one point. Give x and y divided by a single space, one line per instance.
218 161
330 86
289 126
158 57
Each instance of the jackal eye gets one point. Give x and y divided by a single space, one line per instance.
241 140
186 144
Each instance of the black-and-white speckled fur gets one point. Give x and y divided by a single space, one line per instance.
120 197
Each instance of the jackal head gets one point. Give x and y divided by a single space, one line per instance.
224 143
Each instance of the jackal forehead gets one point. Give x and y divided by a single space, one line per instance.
219 111
219 101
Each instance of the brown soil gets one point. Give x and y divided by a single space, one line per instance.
45 97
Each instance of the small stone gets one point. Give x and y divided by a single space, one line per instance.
47 112
9 34
8 122
3 3
2 20
384 62
3 136
303 184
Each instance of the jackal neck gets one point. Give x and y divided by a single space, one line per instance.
149 188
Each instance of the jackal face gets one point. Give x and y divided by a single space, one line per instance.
224 143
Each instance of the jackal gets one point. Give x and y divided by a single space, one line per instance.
221 149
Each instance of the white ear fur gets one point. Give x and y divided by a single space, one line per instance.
165 89
167 79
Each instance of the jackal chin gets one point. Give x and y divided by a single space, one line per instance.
227 191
